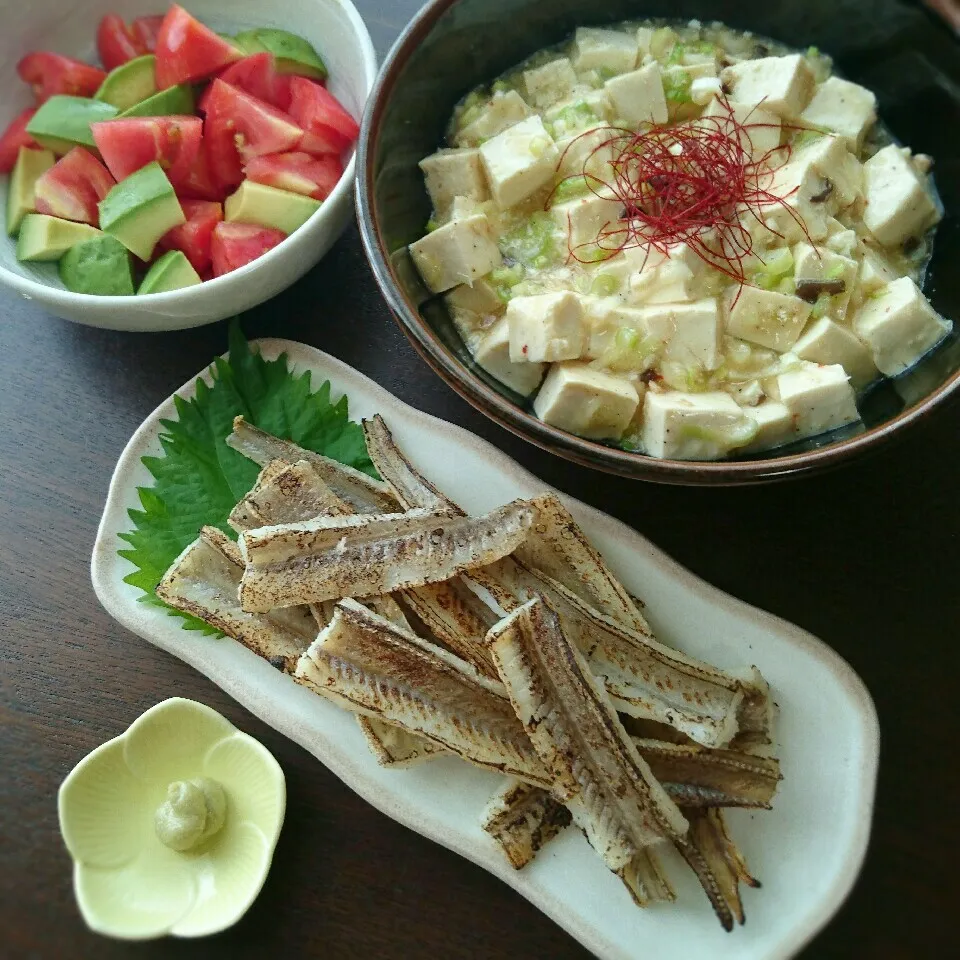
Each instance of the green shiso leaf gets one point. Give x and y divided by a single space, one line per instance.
199 479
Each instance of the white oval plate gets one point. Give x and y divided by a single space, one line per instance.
807 851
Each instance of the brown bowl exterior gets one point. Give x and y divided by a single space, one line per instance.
902 53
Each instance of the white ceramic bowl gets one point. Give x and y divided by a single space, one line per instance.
68 26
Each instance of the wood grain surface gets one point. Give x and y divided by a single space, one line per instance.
865 558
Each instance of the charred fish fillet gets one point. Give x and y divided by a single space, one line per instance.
644 678
559 548
457 618
363 493
522 818
393 747
718 864
408 485
293 493
573 726
370 555
368 665
695 776
203 581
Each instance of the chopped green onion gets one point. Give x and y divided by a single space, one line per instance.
787 286
500 86
432 225
539 146
778 266
735 434
835 272
821 307
677 53
628 352
505 279
532 242
703 46
676 86
572 119
470 114
813 51
569 188
605 285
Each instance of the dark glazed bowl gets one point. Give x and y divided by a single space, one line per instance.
901 52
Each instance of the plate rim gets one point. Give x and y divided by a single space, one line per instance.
120 602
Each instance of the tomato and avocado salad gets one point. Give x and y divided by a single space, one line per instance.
186 155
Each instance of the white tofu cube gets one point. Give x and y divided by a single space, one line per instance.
690 332
473 310
637 97
693 426
596 49
763 126
582 219
774 425
585 401
705 89
504 110
604 317
831 159
818 398
826 342
818 263
784 84
747 394
612 276
844 108
800 188
840 239
875 270
765 317
552 82
586 153
454 173
898 203
461 208
546 327
519 161
493 354
899 326
644 36
670 281
460 251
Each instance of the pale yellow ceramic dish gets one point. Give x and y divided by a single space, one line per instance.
131 885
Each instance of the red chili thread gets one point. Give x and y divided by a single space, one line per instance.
694 183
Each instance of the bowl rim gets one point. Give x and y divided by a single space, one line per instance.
494 405
59 298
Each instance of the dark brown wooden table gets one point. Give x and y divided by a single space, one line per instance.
866 558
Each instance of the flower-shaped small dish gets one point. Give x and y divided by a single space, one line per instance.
172 825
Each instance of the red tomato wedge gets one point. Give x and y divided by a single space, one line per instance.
236 244
146 30
200 183
239 127
195 237
15 137
116 43
327 127
50 74
128 144
257 75
188 51
297 172
73 186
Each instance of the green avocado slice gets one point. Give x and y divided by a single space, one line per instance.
174 101
21 192
140 209
269 207
100 266
130 83
43 237
292 53
63 122
172 271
